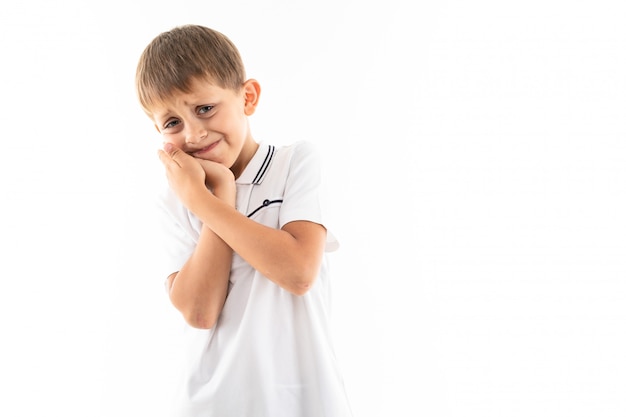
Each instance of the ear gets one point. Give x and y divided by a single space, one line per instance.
251 93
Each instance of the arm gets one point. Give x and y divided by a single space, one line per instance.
291 256
199 289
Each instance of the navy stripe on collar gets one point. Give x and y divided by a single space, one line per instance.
266 163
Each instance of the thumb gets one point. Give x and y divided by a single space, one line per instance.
169 148
171 153
176 153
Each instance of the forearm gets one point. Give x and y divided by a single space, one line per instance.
288 257
200 288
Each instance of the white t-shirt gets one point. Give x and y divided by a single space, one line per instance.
270 353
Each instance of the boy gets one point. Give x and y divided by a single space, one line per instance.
247 243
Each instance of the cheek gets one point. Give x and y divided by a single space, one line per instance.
177 139
238 125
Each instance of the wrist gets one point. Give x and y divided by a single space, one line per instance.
197 199
226 193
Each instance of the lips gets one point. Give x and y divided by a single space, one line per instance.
205 150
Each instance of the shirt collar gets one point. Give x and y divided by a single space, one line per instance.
257 167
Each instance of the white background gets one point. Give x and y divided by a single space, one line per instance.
476 158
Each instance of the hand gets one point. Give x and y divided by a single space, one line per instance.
184 173
219 179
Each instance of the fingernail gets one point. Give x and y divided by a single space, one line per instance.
168 147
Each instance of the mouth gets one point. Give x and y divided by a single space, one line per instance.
200 152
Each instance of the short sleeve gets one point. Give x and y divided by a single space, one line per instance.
179 233
303 190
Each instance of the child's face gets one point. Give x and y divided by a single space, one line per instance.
211 123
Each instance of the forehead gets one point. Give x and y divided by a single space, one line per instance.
200 93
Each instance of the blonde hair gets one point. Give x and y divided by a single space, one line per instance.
175 58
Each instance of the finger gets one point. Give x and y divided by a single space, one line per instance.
177 154
171 153
165 158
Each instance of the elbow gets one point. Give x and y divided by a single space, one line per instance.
200 324
297 276
302 283
300 289
197 315
199 320
295 284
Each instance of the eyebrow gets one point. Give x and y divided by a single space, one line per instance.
160 117
205 99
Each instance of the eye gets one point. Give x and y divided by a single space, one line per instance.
171 123
205 109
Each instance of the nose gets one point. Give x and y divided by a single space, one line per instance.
195 132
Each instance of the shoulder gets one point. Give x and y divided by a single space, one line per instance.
172 208
300 152
166 199
301 147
